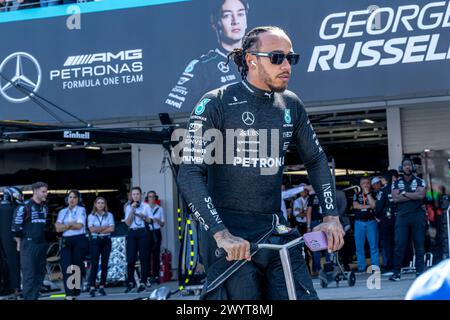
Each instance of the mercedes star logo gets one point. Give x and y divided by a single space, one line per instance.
223 67
15 75
248 118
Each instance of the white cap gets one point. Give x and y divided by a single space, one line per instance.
376 180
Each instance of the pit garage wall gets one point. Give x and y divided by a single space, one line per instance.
426 127
146 167
413 128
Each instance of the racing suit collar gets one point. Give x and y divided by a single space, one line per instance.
256 91
35 203
222 52
40 206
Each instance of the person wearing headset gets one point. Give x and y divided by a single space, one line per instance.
10 280
137 214
157 215
408 193
71 222
101 225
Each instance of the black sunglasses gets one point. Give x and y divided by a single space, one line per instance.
278 57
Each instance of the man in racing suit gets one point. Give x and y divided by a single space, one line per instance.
28 227
210 71
241 202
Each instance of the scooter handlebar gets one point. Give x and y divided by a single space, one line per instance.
315 241
220 252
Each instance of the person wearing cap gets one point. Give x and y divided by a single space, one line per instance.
376 184
365 225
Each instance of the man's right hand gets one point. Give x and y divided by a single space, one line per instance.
235 247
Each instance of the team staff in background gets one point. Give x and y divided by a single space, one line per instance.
385 211
29 232
408 193
229 21
300 210
10 260
314 218
241 203
366 226
101 225
71 222
137 214
158 221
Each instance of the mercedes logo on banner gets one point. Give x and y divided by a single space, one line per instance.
248 118
19 69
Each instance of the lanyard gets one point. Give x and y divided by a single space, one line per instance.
153 212
100 221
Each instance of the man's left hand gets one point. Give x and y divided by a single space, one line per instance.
333 229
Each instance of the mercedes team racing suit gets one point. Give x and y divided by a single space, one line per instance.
29 225
201 75
242 193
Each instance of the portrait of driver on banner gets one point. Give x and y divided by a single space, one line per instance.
210 70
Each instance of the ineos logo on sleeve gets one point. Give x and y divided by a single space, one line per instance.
248 118
23 76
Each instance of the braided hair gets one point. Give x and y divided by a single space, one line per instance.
249 42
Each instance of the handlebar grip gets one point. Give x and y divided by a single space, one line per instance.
220 252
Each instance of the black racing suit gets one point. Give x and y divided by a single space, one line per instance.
29 224
8 246
243 189
201 75
385 211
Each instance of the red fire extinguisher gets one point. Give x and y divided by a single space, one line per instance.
165 272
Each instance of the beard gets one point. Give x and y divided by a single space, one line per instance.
265 77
